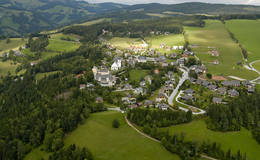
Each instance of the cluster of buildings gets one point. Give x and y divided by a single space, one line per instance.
103 76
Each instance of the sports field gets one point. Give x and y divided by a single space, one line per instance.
197 131
248 34
108 143
215 36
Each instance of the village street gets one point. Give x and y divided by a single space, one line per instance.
184 77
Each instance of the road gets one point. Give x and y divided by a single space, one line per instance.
192 107
253 69
184 77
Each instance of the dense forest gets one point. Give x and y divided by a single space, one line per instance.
42 112
243 111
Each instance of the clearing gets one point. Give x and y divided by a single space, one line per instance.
14 44
124 43
7 66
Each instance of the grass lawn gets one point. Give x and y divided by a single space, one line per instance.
57 45
40 76
60 36
248 34
197 131
7 66
214 34
15 43
124 43
136 75
107 143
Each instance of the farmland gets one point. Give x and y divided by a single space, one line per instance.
214 35
14 43
248 34
7 66
106 142
197 131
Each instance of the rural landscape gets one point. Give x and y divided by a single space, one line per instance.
111 81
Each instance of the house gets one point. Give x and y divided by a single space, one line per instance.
247 84
198 69
161 97
181 61
205 83
142 83
251 90
233 93
18 53
116 65
199 81
216 62
164 64
90 85
162 106
233 83
108 53
193 80
162 58
99 100
215 53
103 76
148 79
188 97
127 87
173 55
189 92
132 106
33 63
216 100
141 59
212 87
139 91
222 91
82 86
189 53
148 103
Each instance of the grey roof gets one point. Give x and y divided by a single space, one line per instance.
187 97
205 83
212 87
189 91
222 90
233 92
148 102
217 100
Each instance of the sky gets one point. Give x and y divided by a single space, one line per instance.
251 2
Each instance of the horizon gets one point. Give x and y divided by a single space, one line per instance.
134 2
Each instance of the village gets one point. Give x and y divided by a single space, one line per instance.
176 91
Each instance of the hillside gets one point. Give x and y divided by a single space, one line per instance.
19 17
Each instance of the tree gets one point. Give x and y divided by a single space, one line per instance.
209 75
8 41
189 116
116 123
193 74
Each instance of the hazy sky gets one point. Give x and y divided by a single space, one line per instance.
253 2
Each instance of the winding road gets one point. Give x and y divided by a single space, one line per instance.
255 70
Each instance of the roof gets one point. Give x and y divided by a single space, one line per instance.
189 91
233 92
217 100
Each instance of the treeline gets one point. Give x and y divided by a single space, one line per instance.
158 118
243 50
243 111
72 153
34 113
38 44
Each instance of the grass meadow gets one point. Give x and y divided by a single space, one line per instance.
242 140
7 66
15 43
124 43
108 143
137 75
215 35
248 34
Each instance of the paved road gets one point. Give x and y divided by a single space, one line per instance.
253 69
184 77
185 109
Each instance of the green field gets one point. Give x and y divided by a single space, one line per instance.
197 131
214 34
248 34
136 75
57 45
257 66
89 23
15 43
124 43
169 40
107 143
7 66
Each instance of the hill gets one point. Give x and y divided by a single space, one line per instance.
19 17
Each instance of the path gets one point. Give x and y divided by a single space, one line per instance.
192 107
156 140
184 77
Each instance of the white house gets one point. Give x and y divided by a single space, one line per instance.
116 65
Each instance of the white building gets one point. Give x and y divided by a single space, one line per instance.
116 65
